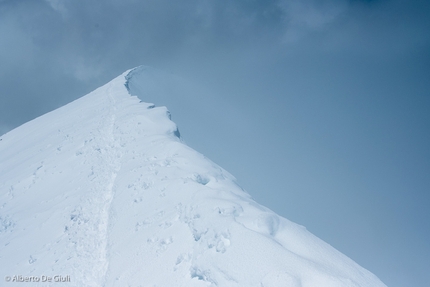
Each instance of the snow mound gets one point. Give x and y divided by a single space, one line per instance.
103 192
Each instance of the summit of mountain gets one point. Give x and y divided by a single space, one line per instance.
103 192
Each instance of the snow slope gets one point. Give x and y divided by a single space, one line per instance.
102 192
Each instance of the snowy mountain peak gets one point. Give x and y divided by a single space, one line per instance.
102 192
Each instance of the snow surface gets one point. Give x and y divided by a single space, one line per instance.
103 192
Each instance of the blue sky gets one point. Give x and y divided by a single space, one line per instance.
321 109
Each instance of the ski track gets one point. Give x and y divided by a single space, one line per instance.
114 161
92 231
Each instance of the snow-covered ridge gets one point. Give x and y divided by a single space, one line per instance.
103 190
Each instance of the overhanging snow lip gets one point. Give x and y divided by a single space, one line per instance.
129 74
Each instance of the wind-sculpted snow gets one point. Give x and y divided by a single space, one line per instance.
103 192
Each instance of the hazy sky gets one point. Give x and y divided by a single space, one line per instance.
320 108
